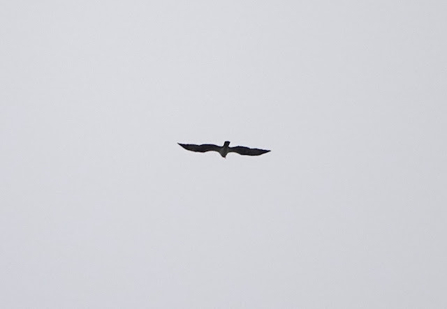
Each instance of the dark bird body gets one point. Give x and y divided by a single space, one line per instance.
225 149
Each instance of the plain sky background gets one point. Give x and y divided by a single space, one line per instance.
100 208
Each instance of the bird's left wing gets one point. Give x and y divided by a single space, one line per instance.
245 151
200 148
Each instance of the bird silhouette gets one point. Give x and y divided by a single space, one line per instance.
225 149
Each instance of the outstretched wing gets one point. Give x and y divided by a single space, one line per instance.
200 148
245 151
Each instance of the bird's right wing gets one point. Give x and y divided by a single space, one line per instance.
245 151
201 148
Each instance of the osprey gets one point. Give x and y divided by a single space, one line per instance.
225 149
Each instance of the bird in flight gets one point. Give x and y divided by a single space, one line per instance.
225 149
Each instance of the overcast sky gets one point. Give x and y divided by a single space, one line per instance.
100 208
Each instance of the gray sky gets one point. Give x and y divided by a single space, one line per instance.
100 208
